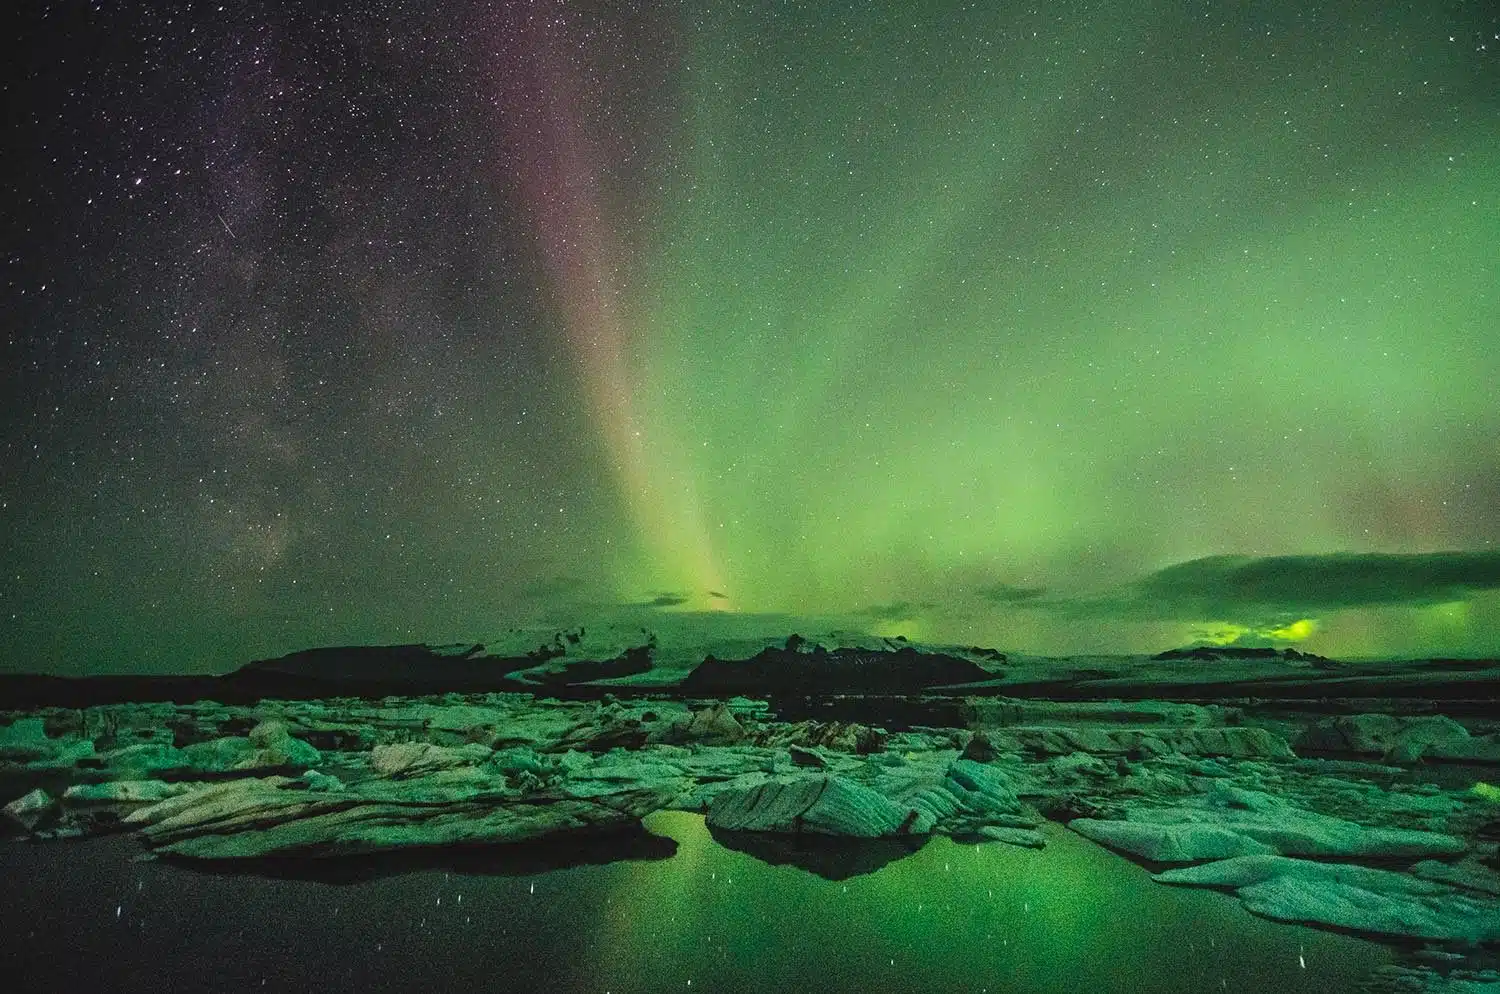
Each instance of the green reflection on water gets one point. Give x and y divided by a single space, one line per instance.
951 917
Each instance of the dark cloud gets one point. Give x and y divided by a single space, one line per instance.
1275 589
718 595
667 600
1005 593
1324 583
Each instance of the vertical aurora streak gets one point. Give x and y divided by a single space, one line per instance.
1014 321
559 182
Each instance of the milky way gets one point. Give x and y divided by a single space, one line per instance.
1092 327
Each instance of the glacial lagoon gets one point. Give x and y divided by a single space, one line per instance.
671 910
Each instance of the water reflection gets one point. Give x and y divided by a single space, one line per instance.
828 857
946 917
954 917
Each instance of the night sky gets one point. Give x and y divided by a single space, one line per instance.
1087 326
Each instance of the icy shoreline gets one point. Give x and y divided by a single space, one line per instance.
1172 784
1330 812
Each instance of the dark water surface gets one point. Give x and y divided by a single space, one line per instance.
950 917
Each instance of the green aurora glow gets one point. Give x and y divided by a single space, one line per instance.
1071 303
965 324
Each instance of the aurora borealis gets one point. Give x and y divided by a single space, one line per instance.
1086 327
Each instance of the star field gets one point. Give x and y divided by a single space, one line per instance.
959 321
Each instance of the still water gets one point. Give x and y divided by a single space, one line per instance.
685 915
